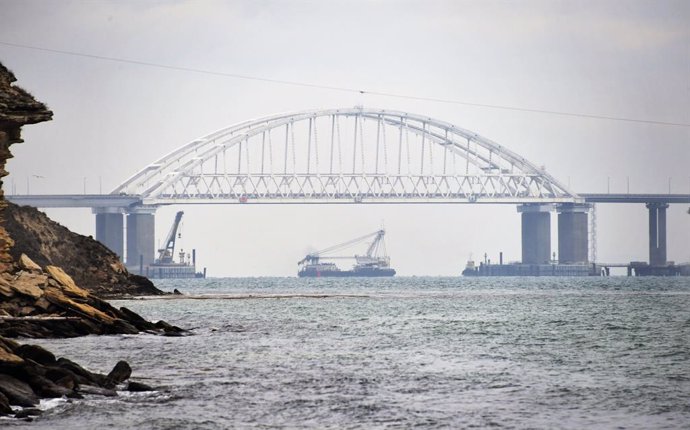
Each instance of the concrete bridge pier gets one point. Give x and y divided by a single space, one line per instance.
536 233
573 233
141 242
657 233
110 229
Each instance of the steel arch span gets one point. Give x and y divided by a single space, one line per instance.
344 156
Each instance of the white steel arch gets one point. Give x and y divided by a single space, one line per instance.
340 156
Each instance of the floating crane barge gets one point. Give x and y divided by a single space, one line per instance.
165 266
368 265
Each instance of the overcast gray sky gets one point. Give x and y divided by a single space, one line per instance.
627 59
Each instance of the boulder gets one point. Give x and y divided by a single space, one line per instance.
84 376
7 355
56 297
28 264
120 373
136 319
168 328
18 392
29 284
36 353
28 412
42 304
138 387
63 377
66 281
46 388
122 326
5 408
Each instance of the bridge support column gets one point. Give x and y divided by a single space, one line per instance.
141 242
536 233
657 233
573 234
110 229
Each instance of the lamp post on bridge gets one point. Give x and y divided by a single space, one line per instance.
28 189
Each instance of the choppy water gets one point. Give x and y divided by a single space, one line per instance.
408 352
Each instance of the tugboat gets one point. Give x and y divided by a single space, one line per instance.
470 269
368 265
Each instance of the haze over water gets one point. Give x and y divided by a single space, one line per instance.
400 353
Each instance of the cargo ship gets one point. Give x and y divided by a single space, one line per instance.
371 264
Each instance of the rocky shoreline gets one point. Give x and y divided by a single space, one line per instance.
51 281
46 303
29 373
39 303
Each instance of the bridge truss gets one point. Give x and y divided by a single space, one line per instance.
344 156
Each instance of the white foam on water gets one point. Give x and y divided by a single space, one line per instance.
47 404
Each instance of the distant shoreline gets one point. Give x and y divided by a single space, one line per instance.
243 296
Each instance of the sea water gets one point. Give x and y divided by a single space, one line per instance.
397 353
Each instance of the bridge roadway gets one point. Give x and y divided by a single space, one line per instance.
103 201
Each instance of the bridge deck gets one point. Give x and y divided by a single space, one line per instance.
96 201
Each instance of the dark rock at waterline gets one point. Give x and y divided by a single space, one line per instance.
36 353
120 373
28 412
24 381
5 408
83 375
18 392
46 388
136 387
177 292
168 329
137 320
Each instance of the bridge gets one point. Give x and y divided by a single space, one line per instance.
352 155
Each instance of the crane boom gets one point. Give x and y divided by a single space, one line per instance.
375 244
314 256
165 254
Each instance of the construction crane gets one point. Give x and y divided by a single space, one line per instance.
165 254
371 256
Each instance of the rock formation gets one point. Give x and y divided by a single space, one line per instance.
30 372
46 302
25 230
17 108
91 264
40 299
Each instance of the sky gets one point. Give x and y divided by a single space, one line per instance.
619 59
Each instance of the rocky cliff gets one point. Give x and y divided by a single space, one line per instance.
38 298
25 230
17 108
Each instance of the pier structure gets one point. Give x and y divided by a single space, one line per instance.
536 233
573 233
140 232
110 228
141 240
657 233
